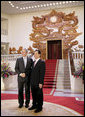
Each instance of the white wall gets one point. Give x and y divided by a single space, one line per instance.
4 24
20 26
4 38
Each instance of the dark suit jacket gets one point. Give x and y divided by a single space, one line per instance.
20 67
37 74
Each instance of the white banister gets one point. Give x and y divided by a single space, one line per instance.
69 67
78 55
76 83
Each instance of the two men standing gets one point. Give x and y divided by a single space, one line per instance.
30 72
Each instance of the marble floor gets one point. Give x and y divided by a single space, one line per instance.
69 93
10 107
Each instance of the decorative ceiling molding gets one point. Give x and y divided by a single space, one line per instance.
16 7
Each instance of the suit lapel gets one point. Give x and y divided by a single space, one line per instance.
27 62
23 62
37 63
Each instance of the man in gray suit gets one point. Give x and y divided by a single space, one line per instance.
23 69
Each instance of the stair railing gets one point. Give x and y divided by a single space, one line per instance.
71 62
78 55
71 57
71 66
76 85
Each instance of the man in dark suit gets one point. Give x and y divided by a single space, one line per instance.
23 69
37 80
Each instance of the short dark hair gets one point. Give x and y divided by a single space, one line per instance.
39 52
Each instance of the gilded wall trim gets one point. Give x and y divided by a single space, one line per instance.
54 26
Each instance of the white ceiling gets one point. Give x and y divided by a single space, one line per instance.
15 7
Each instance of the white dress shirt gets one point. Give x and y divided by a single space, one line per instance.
25 60
36 60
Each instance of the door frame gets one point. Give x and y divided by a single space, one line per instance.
47 46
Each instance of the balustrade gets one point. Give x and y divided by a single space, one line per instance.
12 56
78 55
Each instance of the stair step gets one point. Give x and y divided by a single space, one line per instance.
50 83
49 86
63 81
49 77
64 87
50 70
63 76
51 80
48 80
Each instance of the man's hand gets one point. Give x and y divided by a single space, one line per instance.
40 86
22 75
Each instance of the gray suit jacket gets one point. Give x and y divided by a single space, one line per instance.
20 67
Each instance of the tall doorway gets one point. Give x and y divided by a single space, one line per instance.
54 49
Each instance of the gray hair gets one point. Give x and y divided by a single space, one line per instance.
25 50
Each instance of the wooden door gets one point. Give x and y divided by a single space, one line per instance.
54 49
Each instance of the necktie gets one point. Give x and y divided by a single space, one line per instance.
34 63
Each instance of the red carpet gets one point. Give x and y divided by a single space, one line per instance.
49 73
69 102
47 90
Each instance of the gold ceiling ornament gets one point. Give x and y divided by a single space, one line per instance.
31 50
55 26
53 19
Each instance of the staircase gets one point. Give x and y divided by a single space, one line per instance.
63 78
57 74
50 79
